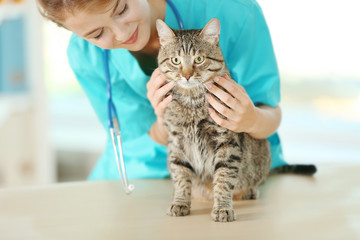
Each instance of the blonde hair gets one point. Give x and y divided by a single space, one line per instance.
56 10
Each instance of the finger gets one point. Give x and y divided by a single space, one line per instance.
156 72
226 123
154 75
156 80
227 77
225 97
219 107
162 106
231 86
161 92
155 84
219 120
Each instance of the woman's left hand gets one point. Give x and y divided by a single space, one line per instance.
240 111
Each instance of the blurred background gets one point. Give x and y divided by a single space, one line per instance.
49 133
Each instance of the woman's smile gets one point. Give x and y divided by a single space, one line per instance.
133 37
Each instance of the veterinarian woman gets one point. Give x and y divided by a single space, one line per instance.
127 27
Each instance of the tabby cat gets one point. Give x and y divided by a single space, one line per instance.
204 157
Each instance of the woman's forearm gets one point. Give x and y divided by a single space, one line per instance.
158 133
267 121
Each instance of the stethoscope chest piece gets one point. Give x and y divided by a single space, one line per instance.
113 123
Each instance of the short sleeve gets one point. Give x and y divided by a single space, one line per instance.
252 61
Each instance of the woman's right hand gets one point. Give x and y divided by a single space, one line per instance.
157 88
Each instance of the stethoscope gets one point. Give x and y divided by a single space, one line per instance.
113 123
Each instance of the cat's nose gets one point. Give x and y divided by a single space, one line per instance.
187 76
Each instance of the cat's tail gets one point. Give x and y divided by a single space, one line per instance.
295 169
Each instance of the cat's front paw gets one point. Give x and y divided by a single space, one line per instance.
223 215
178 209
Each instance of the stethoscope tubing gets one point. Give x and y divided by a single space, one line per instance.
115 133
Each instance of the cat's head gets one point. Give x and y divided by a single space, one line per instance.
190 58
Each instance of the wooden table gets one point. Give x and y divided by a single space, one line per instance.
326 206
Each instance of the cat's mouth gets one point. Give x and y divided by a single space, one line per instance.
188 83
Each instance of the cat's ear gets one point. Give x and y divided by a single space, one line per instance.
211 32
165 33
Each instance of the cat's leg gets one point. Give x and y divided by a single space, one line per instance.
181 174
225 179
250 194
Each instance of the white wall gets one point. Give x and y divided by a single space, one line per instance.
316 38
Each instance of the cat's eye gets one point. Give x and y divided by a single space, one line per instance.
199 59
175 60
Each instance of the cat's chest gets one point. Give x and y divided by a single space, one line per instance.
186 114
191 130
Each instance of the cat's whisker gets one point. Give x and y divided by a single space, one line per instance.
199 150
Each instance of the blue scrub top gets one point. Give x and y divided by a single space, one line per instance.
247 48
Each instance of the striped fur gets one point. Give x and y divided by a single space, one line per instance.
204 157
